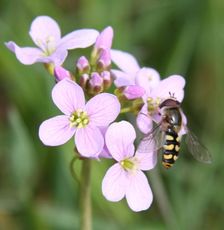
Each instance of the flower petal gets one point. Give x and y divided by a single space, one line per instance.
43 30
26 55
105 152
125 61
114 183
68 96
104 40
171 85
79 39
138 194
103 109
183 129
56 131
122 78
133 92
144 121
89 141
146 161
148 78
119 139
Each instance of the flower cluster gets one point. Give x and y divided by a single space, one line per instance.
89 109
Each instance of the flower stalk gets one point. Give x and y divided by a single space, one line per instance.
85 196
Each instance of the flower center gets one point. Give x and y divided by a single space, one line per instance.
79 119
153 104
48 46
129 164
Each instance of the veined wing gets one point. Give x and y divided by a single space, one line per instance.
198 150
153 141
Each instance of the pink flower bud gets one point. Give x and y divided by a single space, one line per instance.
104 40
107 80
60 73
104 60
83 80
83 65
133 92
95 83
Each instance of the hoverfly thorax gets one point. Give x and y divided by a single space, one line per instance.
171 115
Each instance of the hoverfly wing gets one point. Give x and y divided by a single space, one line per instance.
198 150
153 141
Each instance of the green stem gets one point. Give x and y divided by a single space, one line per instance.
85 196
162 200
125 110
72 170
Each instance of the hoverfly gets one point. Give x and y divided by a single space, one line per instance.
166 136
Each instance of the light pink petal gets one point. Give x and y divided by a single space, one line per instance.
105 152
146 161
89 141
79 39
68 96
103 109
122 78
133 92
61 73
183 129
144 121
56 131
44 30
138 194
171 85
104 40
147 78
125 61
114 183
119 139
26 55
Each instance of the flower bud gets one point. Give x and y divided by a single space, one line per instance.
104 60
83 80
107 80
104 40
83 65
95 83
132 92
60 73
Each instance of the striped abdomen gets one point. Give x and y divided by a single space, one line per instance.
170 148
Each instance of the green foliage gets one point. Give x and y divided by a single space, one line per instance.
175 36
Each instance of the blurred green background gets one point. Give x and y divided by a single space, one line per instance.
174 36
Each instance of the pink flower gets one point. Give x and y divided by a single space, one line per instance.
171 86
125 178
131 73
46 34
79 119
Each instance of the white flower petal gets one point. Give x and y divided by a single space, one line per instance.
125 61
89 141
79 39
119 139
56 131
173 85
68 96
26 55
103 109
138 194
114 183
45 31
